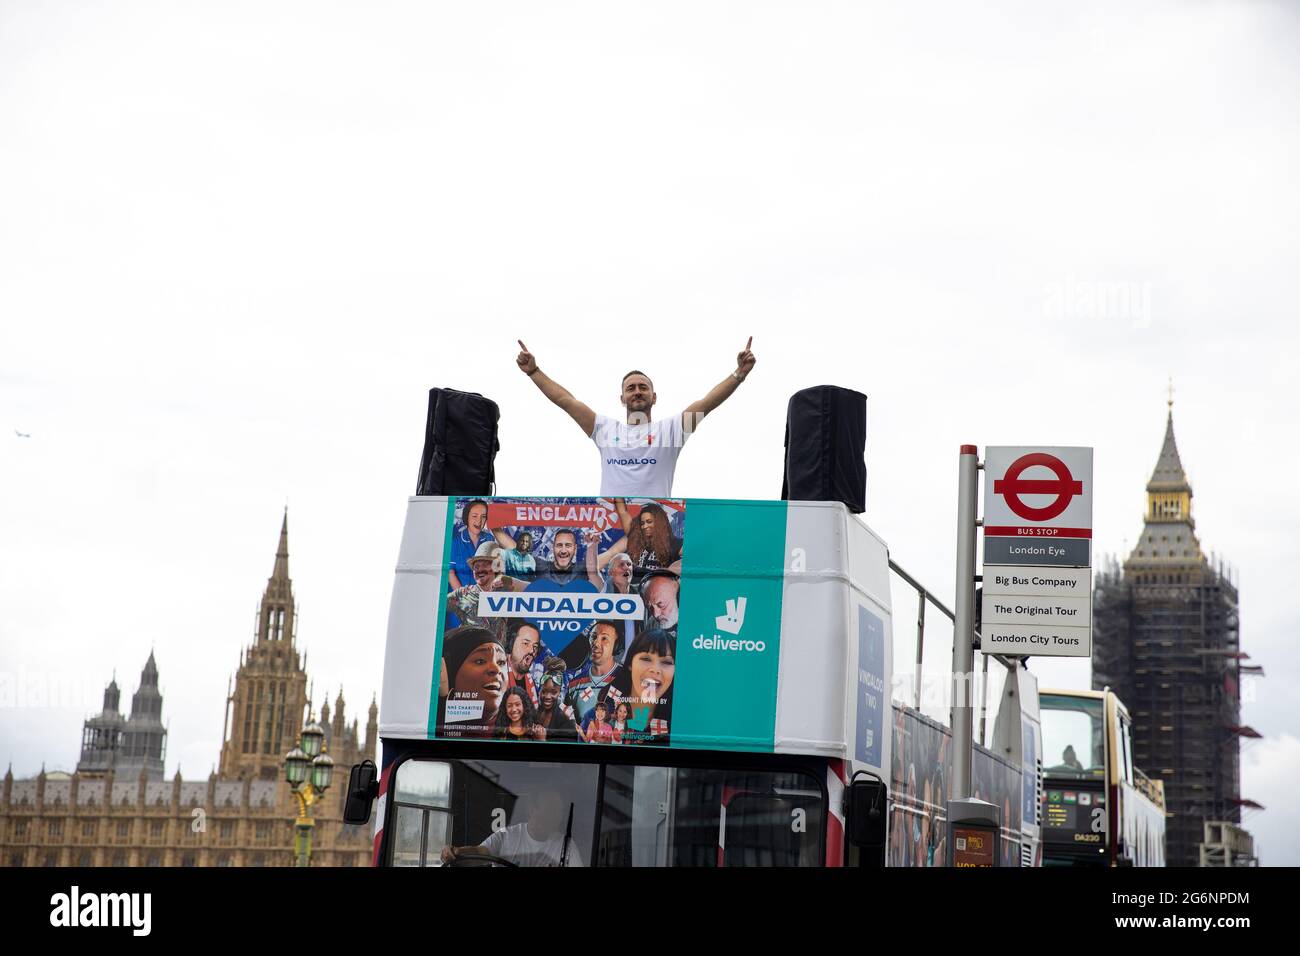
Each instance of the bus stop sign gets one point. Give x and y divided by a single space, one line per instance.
1037 597
1011 487
1038 506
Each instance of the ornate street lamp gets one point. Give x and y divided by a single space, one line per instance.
296 766
322 772
309 771
313 739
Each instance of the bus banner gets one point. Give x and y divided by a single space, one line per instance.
641 622
597 620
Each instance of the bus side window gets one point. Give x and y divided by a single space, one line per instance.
1126 751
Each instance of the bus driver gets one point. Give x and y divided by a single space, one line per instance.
637 456
543 839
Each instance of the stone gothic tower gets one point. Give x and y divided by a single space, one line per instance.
131 745
144 738
266 709
101 735
1166 639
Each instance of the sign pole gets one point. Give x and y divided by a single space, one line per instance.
974 826
963 635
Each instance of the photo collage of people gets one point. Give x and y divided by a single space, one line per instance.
919 791
561 620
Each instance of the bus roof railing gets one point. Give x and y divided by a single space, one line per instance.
924 594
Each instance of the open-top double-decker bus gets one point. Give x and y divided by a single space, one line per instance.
649 682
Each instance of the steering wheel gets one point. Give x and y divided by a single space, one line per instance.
476 858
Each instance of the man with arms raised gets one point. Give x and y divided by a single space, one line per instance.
638 455
563 570
563 573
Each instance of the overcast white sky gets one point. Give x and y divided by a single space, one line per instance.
239 241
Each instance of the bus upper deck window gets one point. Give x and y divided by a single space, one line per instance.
1126 749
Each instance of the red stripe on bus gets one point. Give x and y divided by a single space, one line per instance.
834 841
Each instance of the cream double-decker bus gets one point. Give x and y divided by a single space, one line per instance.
1098 808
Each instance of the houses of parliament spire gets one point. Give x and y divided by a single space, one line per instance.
266 709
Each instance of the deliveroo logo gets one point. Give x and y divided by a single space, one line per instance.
731 622
734 619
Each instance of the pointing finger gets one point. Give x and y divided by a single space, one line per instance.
521 344
749 343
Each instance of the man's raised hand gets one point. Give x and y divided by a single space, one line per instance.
526 361
744 361
555 392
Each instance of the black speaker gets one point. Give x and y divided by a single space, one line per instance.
460 445
825 447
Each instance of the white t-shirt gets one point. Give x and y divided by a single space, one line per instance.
638 460
514 844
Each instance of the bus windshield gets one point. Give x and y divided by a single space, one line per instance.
525 813
1073 736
